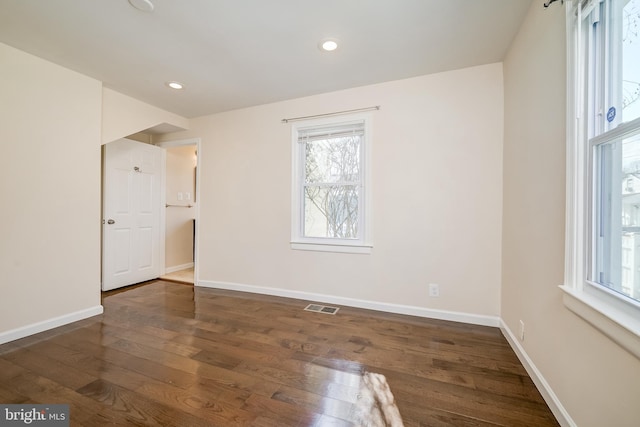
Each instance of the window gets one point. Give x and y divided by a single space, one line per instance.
330 185
603 170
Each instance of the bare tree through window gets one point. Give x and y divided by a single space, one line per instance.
332 186
631 58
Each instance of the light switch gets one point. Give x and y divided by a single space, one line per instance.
180 195
187 196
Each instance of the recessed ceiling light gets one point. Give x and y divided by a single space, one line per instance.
175 85
143 5
328 45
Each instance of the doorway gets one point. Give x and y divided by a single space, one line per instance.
181 210
176 243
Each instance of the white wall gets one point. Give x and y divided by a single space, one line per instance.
597 382
181 162
437 180
123 116
49 192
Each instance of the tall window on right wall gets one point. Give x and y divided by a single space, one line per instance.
603 221
614 138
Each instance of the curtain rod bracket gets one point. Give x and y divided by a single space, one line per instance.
550 2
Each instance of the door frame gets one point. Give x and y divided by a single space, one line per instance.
179 143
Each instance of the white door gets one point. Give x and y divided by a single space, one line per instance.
132 188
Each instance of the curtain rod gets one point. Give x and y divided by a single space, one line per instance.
357 110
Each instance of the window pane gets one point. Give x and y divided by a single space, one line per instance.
618 216
331 211
333 160
631 61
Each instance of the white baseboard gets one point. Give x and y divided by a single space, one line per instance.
175 268
475 319
45 325
543 386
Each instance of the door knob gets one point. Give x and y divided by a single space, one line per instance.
110 221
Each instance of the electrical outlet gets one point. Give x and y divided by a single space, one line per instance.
434 290
521 331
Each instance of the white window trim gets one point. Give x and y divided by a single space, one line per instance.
298 242
616 318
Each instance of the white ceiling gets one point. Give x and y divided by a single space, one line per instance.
237 53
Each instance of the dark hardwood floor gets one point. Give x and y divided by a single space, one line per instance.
169 354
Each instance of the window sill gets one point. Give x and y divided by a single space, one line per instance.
321 247
621 327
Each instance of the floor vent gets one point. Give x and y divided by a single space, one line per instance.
321 309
